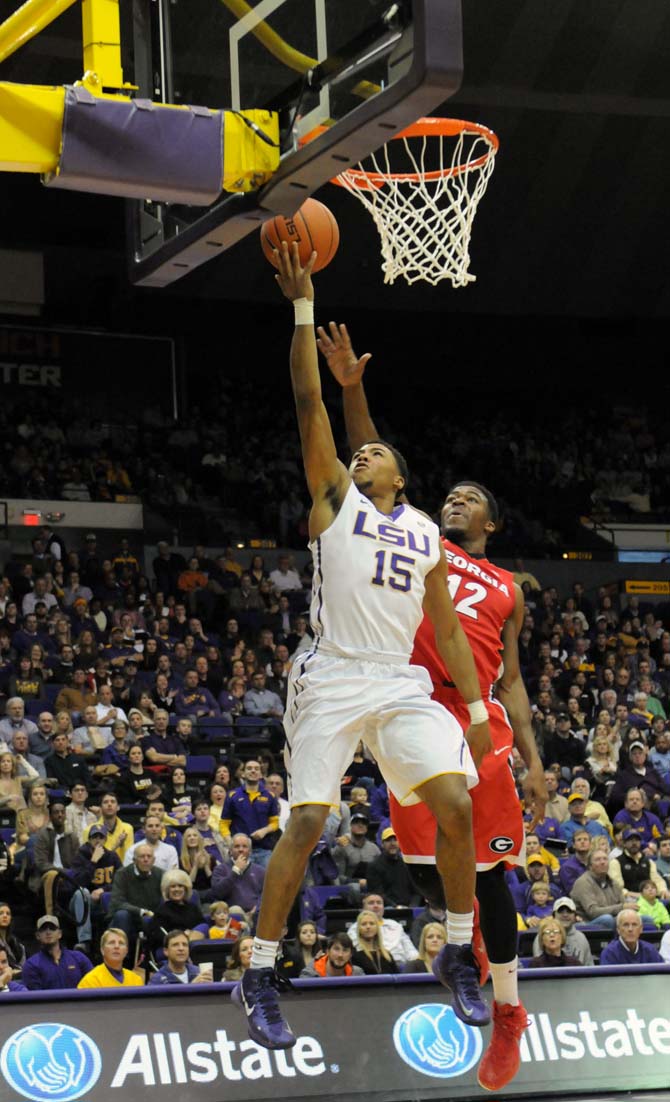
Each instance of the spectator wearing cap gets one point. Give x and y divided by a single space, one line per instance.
632 867
534 848
353 854
53 967
576 864
578 818
596 895
537 872
388 876
576 943
76 695
635 814
564 748
593 810
94 866
114 947
640 774
119 834
627 947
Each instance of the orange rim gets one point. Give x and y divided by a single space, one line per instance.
427 128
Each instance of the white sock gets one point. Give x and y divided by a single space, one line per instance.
459 928
264 953
506 982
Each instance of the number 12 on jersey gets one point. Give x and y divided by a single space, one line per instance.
394 573
466 605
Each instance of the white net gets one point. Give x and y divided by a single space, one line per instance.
422 190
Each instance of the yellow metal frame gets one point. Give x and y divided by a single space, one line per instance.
31 115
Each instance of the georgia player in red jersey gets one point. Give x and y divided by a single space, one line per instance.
490 608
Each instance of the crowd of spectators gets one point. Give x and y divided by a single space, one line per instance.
237 454
113 686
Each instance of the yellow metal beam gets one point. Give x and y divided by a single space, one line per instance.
31 18
31 122
102 43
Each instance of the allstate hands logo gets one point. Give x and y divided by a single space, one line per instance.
49 1062
431 1039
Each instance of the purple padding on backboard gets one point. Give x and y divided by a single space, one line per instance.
140 150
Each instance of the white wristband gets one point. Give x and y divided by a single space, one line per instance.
478 712
304 311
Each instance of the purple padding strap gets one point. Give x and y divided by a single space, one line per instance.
140 150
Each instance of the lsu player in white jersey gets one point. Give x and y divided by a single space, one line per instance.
378 566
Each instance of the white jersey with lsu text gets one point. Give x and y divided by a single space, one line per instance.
369 578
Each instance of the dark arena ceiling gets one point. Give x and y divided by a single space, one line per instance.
576 219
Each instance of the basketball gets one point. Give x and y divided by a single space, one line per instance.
313 227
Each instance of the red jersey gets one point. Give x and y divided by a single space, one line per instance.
484 599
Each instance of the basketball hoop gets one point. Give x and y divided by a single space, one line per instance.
423 196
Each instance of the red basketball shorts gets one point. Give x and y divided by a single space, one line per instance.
496 811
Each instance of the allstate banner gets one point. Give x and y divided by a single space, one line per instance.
365 1040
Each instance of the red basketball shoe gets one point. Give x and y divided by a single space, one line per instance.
500 1062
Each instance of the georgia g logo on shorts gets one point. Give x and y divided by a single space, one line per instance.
432 1040
49 1062
501 844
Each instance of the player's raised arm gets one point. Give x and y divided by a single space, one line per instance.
327 478
455 652
348 368
511 693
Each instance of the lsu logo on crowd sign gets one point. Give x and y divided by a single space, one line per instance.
49 1062
432 1040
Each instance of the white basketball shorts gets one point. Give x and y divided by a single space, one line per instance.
333 702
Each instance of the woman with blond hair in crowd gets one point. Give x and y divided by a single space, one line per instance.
552 938
63 725
239 959
195 861
371 955
177 911
11 789
433 938
35 815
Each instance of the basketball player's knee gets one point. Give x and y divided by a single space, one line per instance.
455 814
306 825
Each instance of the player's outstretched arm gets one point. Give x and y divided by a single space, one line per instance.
456 654
327 478
348 369
511 693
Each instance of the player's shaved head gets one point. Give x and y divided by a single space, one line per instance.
490 500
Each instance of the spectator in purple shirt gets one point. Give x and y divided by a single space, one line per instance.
627 948
194 699
575 865
240 883
160 747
